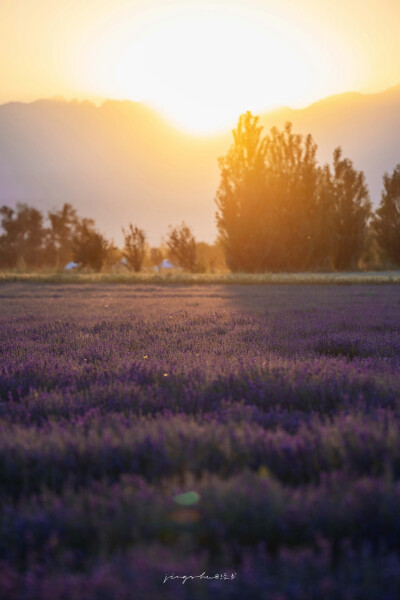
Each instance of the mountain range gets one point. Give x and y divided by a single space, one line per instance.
121 162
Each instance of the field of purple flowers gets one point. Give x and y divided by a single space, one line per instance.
252 431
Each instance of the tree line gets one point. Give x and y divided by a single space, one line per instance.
32 240
277 210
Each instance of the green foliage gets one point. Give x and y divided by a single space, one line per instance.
134 248
387 218
292 184
89 246
182 247
210 258
279 210
352 210
184 278
371 258
156 257
59 246
25 241
241 197
23 237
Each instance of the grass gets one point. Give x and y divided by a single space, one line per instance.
343 278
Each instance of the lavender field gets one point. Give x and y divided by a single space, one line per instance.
252 431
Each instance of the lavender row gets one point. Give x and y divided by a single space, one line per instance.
294 575
232 514
39 391
160 447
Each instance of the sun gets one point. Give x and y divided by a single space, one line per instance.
202 65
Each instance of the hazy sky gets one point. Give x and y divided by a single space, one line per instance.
201 63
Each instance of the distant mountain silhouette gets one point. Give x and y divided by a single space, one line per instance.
122 162
367 126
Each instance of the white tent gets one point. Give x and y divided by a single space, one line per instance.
71 265
167 264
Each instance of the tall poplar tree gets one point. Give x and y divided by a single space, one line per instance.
352 209
387 217
241 216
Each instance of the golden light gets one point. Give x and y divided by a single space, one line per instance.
202 64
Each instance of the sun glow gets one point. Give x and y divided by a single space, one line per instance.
201 65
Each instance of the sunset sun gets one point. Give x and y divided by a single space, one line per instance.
202 65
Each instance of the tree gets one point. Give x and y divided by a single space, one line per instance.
210 257
268 199
241 196
182 247
293 199
9 239
63 225
89 246
156 257
387 218
23 237
352 209
135 247
112 257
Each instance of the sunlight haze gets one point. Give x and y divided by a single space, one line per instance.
198 63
